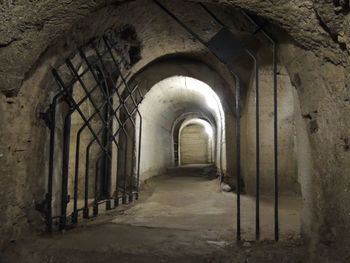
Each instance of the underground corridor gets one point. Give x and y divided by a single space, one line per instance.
168 131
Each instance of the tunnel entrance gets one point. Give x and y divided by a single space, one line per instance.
107 139
169 106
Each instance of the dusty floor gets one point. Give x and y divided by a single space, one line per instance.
182 216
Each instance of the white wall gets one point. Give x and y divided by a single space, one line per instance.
162 105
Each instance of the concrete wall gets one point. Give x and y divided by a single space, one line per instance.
182 66
195 147
286 135
163 105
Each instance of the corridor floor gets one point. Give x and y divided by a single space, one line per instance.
185 198
181 216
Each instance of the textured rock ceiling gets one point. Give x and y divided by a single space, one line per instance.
28 28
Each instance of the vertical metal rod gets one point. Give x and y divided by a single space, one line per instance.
125 166
275 106
52 112
117 175
139 158
97 170
86 210
125 107
88 95
86 197
133 161
238 157
122 103
65 170
275 109
76 178
257 135
106 169
237 79
87 167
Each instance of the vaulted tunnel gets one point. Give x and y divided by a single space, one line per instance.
175 130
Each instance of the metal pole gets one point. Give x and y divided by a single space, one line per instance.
238 157
237 79
52 113
257 121
65 170
275 109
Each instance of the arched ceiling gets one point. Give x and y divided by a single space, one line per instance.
172 97
33 31
205 124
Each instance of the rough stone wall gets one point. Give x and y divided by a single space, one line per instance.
317 61
323 91
286 135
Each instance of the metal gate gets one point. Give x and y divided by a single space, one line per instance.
94 121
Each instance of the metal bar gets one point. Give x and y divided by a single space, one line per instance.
125 166
130 115
257 212
87 164
108 141
52 112
77 156
86 194
97 166
275 110
71 67
237 79
256 67
238 157
75 105
179 22
108 135
65 170
76 178
257 136
115 88
128 118
212 14
139 158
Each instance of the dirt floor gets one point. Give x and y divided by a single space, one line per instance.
181 216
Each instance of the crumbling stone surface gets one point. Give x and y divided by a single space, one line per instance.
35 34
30 28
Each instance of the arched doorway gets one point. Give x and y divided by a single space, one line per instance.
196 142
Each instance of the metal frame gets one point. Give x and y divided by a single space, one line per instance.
237 113
118 105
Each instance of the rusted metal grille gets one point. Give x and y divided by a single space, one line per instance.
94 121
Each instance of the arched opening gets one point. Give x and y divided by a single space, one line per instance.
196 142
170 104
63 165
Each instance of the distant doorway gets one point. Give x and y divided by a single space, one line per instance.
196 144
